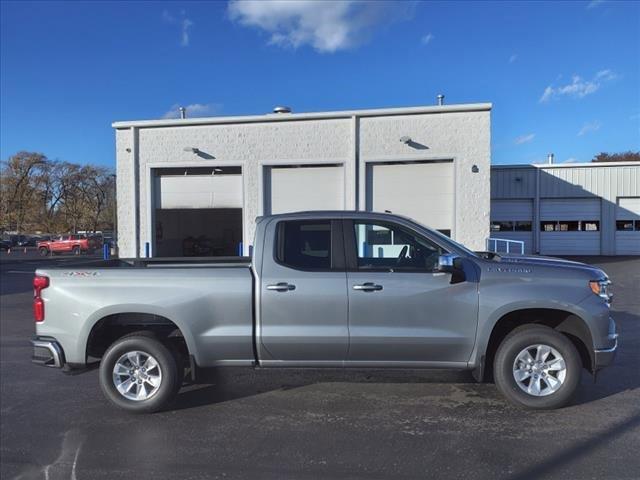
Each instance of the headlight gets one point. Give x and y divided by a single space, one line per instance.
602 288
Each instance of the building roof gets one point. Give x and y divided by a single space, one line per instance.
568 165
279 117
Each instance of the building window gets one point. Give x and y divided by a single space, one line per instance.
502 226
522 226
511 226
570 226
590 225
627 225
548 226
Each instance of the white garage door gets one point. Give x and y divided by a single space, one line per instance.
628 226
512 220
570 226
198 191
294 189
422 191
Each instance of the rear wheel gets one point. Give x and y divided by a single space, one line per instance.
537 367
140 374
43 251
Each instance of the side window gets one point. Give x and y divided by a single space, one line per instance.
390 247
305 245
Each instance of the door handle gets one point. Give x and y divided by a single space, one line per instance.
368 287
281 287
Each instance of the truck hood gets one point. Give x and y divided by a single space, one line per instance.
596 272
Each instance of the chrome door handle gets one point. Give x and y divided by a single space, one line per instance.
281 287
368 287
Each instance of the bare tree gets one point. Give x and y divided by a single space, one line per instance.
55 196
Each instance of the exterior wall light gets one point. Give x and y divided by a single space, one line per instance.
192 150
406 140
475 169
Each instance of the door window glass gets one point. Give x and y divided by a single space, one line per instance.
305 245
389 247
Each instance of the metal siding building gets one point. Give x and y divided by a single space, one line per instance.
568 209
195 186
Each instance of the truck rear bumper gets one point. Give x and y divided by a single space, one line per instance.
47 352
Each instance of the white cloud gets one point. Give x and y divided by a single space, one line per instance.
594 4
427 38
194 110
327 26
513 58
524 138
579 87
184 23
589 127
571 160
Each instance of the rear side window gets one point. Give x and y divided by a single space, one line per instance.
305 245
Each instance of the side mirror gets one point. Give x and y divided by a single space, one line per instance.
446 262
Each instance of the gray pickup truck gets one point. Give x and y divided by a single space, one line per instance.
328 289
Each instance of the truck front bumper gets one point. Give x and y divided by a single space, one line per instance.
47 352
604 357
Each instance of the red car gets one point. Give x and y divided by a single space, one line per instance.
75 244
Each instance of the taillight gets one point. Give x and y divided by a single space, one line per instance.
39 284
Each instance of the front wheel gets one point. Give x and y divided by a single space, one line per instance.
43 251
537 367
140 374
76 250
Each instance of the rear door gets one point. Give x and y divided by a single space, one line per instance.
400 309
303 294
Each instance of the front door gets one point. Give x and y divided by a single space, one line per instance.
303 317
400 308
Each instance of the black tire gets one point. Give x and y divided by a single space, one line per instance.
43 251
76 250
518 340
172 373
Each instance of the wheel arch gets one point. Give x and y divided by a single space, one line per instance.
107 328
563 321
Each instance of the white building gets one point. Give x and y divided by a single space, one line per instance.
195 186
568 209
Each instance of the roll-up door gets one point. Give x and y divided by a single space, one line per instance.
512 220
423 191
570 226
628 226
301 188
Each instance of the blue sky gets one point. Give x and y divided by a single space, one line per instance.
563 77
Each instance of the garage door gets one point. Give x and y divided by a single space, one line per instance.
628 226
423 191
570 226
301 188
198 211
512 220
198 191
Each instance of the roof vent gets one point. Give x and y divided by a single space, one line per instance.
550 158
440 98
183 112
282 109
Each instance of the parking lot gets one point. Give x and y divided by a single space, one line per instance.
322 424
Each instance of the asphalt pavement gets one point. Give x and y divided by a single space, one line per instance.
296 424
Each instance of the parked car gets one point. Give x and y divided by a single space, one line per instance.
75 244
19 240
329 289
